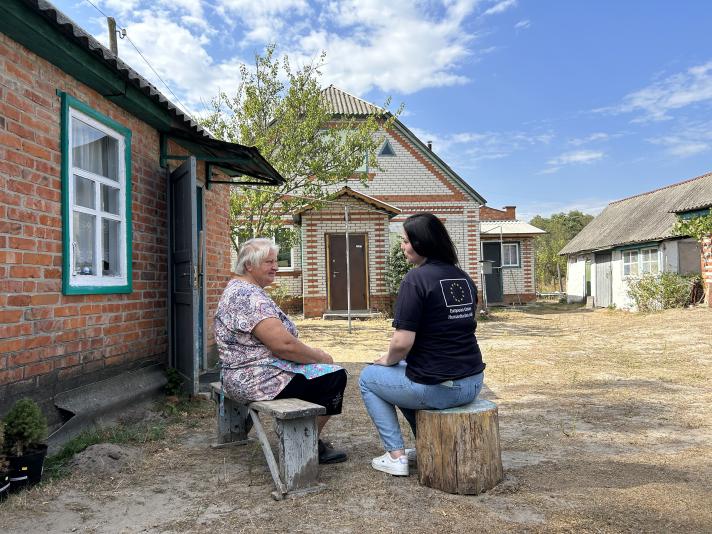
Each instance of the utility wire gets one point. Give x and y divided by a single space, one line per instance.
183 106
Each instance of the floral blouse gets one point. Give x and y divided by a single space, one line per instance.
251 370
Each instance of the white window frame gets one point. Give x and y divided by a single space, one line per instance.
651 260
642 266
73 281
516 250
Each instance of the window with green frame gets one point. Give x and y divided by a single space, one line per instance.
96 201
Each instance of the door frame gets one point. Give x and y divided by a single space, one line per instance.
328 269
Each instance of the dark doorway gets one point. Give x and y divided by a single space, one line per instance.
185 341
336 271
493 282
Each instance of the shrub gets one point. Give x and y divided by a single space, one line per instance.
396 268
174 382
25 425
667 290
279 294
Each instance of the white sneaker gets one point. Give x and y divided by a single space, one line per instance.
412 456
397 467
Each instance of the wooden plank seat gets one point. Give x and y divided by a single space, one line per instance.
458 448
296 470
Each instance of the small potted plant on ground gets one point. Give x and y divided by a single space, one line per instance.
25 433
4 471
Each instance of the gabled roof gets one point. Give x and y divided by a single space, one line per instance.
346 104
49 33
347 191
493 228
642 218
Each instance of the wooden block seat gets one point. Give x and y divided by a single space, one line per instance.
296 428
458 448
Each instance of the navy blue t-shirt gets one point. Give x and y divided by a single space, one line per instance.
438 302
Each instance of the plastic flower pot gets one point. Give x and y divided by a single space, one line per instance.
26 470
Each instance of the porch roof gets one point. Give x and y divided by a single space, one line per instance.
389 209
492 228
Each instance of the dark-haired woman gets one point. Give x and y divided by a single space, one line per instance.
433 361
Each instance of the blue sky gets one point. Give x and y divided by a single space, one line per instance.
547 105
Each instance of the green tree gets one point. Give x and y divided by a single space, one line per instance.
281 111
560 228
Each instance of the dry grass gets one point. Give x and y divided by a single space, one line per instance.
605 423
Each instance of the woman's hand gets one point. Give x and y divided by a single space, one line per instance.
272 333
324 357
383 360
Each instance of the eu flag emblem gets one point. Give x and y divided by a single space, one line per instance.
457 292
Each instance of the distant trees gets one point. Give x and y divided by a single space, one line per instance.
560 228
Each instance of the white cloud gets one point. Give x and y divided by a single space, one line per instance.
658 100
500 7
462 149
575 157
522 25
688 140
597 136
199 46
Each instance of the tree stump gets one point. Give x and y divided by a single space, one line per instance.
458 448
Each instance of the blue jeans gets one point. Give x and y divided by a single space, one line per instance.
385 388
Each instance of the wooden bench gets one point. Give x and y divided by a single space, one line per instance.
296 428
458 448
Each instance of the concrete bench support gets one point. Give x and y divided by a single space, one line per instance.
296 468
458 448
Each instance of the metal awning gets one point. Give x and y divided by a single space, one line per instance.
231 159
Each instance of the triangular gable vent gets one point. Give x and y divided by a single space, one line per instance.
387 150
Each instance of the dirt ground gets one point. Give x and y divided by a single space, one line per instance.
605 421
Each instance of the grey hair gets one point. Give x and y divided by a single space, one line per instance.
254 251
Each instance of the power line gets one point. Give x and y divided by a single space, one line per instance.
183 106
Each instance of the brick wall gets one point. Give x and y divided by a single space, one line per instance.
330 220
49 341
508 213
519 282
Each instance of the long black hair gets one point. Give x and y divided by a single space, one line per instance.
429 238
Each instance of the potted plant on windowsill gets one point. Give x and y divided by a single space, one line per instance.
4 469
25 433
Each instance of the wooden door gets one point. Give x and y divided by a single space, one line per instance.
604 281
336 271
185 342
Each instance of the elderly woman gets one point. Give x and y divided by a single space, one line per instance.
433 361
261 357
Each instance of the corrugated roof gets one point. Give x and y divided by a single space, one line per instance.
641 218
492 228
343 103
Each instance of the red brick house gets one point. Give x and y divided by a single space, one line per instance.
114 244
509 245
409 178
